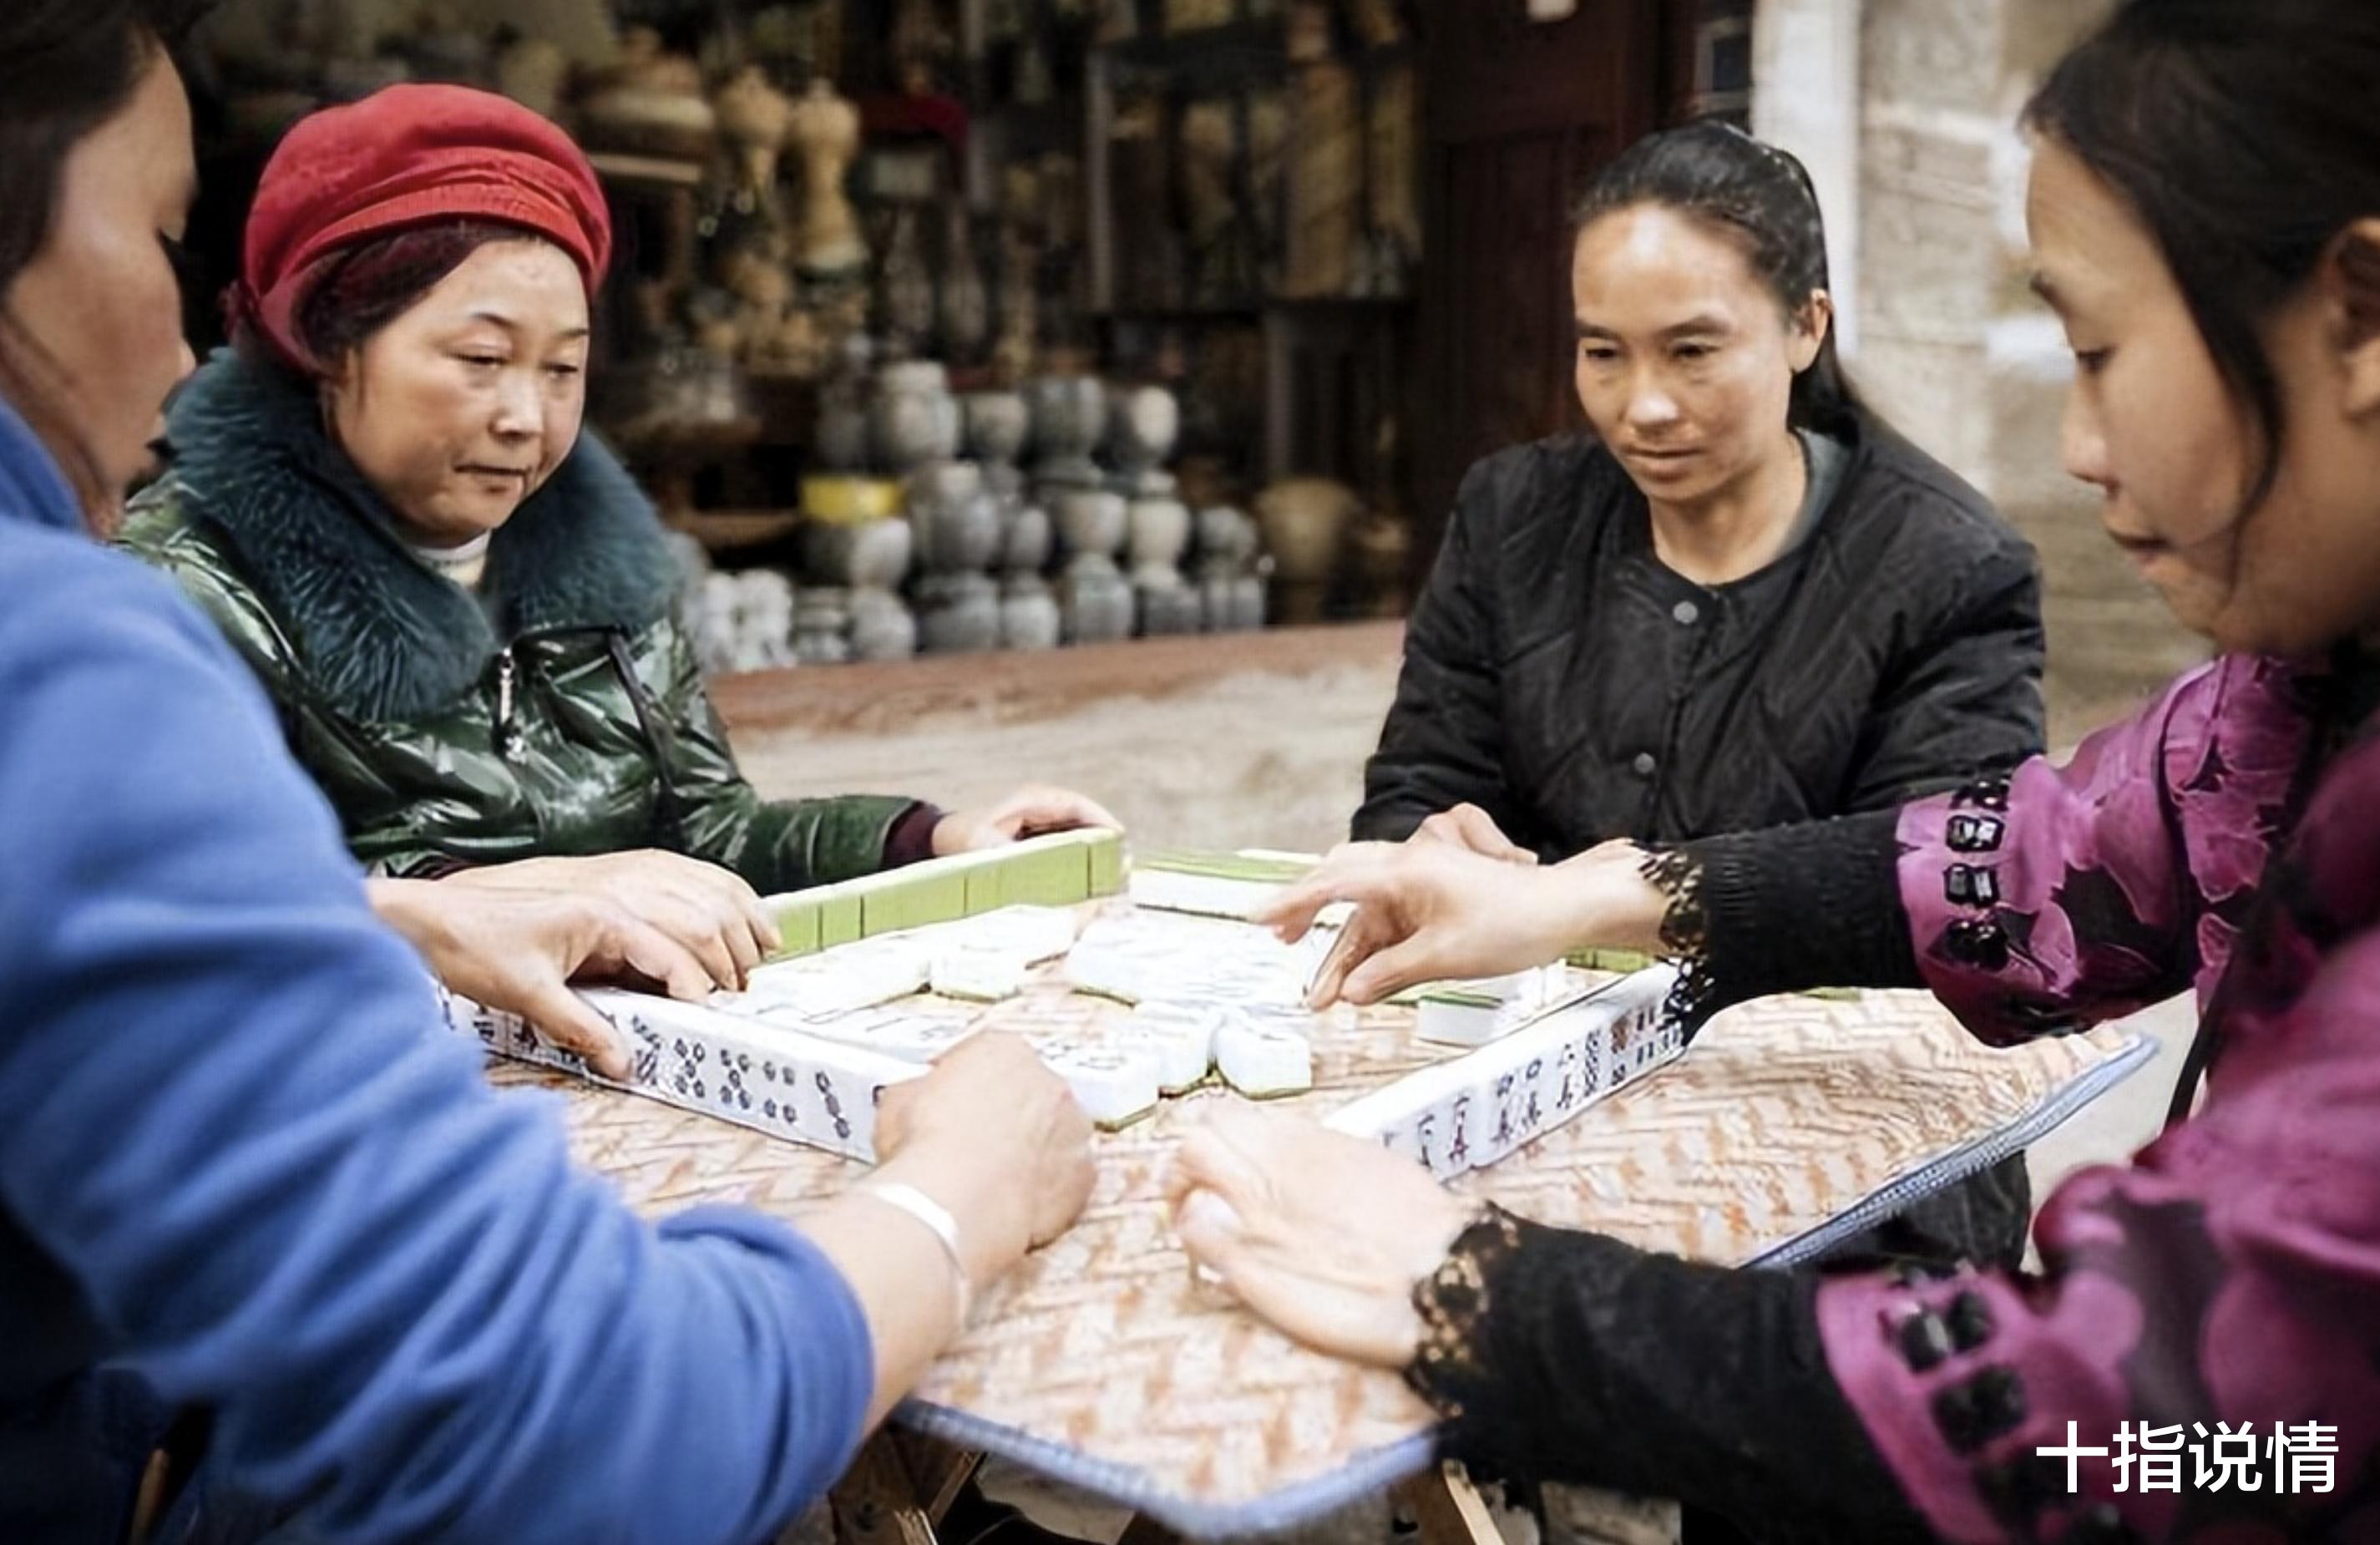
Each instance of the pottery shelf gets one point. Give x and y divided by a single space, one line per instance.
1251 310
736 530
645 171
1235 54
1232 54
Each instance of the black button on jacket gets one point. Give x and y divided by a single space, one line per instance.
1560 678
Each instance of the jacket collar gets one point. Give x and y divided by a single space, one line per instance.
381 633
31 486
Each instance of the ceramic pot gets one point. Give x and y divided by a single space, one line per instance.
1069 419
914 421
958 522
871 553
1091 522
1007 484
753 115
1028 614
1305 522
1161 532
1142 424
823 131
883 626
822 626
1096 604
1378 553
1232 603
998 424
1169 607
958 614
714 617
642 121
1247 602
1227 538
765 619
1024 546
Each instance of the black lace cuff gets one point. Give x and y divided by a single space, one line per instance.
1452 1302
1570 1356
1783 910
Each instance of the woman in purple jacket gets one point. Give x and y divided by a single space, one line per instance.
2205 220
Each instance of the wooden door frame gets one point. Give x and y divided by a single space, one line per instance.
1643 102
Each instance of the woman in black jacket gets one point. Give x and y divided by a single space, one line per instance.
1745 601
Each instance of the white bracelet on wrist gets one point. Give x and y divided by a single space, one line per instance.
939 1223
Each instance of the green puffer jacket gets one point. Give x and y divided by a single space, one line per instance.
558 711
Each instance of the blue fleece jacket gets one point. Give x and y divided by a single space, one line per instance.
239 1160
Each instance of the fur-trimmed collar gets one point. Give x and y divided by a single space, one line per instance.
381 633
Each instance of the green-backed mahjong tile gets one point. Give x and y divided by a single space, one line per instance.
982 882
1048 876
839 921
883 905
798 928
1106 863
1621 961
915 901
940 898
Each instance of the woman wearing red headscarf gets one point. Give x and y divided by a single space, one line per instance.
458 600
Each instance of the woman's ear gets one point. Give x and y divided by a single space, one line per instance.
2349 287
1806 330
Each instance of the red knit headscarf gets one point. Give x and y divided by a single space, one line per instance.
403 157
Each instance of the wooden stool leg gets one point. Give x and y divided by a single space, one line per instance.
1449 1508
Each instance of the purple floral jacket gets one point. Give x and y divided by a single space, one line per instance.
2214 1309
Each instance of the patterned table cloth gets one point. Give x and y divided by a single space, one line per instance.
1791 1123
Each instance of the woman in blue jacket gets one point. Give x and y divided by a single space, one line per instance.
241 1167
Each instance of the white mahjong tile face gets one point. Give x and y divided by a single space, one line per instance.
1571 1086
828 1108
781 1099
1537 1097
1432 1132
1458 1150
1502 1096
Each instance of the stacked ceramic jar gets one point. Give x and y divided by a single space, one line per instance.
1070 417
1143 424
917 430
998 425
1229 570
982 526
856 545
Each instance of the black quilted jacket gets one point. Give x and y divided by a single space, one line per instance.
1558 676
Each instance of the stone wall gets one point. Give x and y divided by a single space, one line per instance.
2111 640
1945 340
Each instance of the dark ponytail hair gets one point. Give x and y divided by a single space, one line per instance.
66 67
2245 138
1762 196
